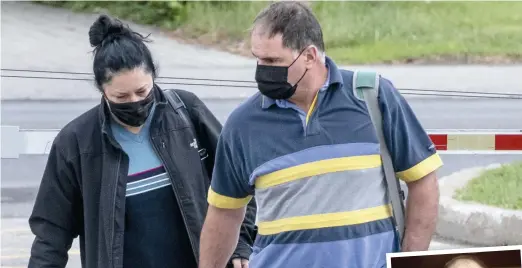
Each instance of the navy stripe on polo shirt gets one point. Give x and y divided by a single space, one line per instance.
155 234
317 176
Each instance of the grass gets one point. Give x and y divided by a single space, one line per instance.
501 187
165 14
355 32
376 32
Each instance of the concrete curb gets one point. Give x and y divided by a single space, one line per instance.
438 243
473 223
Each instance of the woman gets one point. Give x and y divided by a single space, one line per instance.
465 261
130 176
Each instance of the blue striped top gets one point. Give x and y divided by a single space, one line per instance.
317 176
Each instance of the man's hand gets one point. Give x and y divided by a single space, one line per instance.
240 263
421 213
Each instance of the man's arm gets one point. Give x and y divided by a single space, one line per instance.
219 236
247 232
229 194
421 213
415 160
208 129
57 214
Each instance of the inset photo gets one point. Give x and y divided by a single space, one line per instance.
488 257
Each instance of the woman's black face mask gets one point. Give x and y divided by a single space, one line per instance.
272 81
133 113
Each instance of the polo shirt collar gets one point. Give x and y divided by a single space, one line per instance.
334 77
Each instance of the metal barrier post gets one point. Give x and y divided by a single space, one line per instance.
16 141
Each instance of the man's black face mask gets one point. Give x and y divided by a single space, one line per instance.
133 113
272 81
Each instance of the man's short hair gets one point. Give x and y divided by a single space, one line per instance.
296 23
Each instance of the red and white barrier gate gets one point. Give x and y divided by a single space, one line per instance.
16 142
476 142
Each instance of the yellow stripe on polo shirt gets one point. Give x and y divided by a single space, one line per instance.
325 220
312 107
421 169
221 201
318 168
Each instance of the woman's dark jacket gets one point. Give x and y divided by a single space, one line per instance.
79 195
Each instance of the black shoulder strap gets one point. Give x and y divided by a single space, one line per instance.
180 108
174 99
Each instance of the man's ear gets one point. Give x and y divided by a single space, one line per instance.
311 55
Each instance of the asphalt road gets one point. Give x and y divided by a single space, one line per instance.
434 113
20 177
19 182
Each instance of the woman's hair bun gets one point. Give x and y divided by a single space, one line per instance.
106 28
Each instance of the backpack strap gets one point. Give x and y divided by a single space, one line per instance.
178 105
366 88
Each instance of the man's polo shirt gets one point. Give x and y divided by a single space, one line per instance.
318 179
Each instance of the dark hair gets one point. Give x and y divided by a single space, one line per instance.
295 22
117 48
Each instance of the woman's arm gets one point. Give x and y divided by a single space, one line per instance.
57 213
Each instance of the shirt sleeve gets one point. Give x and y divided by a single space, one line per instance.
412 151
229 187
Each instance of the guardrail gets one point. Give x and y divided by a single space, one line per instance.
16 141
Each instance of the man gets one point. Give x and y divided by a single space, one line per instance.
306 147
